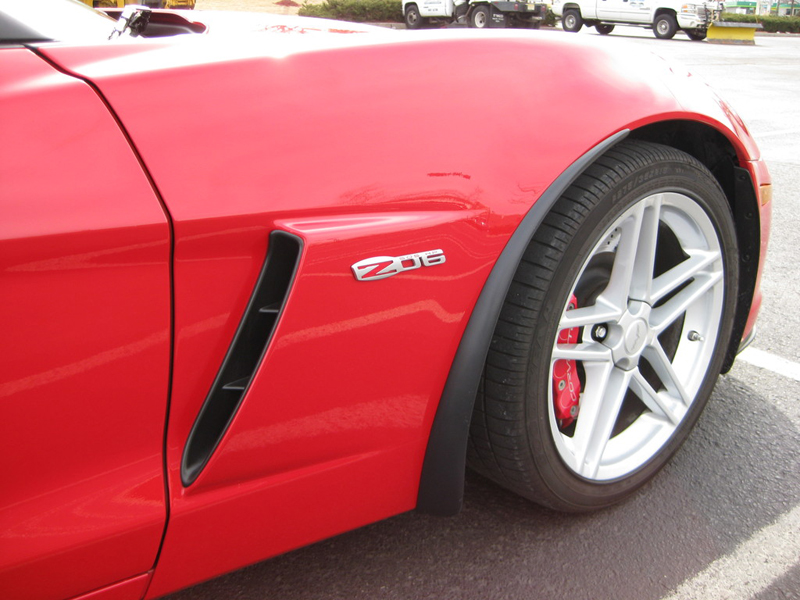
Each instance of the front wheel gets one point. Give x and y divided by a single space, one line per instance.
571 21
697 35
613 332
480 17
665 26
604 28
413 18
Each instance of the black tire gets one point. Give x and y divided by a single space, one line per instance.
571 21
696 35
624 432
604 28
480 17
665 26
413 18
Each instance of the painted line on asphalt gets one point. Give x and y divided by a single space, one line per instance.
749 569
779 132
771 362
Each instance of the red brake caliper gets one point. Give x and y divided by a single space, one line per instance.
566 384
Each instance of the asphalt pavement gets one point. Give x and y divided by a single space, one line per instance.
721 521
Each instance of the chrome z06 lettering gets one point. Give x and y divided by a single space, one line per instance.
381 267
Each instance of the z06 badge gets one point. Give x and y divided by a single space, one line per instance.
381 267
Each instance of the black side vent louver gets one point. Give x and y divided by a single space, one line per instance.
245 353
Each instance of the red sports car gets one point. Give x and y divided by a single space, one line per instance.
258 291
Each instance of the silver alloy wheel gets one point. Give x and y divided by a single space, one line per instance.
662 27
569 21
634 310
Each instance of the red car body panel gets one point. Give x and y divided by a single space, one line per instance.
129 589
86 341
359 147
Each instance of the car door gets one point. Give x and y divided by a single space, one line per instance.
630 11
610 9
638 11
84 360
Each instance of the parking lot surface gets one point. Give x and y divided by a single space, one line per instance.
721 521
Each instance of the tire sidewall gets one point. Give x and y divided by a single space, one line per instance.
671 26
480 10
676 176
571 21
415 23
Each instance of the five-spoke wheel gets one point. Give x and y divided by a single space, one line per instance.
613 332
650 297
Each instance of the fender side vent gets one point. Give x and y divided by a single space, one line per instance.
245 353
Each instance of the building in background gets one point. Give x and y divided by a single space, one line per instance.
763 7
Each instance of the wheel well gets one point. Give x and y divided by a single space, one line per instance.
717 153
475 6
442 479
663 11
571 6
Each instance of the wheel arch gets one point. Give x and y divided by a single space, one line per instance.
571 5
474 5
441 488
664 11
442 480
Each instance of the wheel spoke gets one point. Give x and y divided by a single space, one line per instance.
643 268
663 316
600 312
588 352
682 273
652 399
618 289
600 405
658 359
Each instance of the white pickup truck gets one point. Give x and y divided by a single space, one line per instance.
664 17
475 13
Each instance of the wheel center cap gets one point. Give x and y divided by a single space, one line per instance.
635 337
630 335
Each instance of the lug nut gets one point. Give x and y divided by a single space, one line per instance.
599 332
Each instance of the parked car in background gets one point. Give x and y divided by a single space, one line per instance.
256 294
664 17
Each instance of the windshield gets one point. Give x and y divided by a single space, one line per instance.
57 20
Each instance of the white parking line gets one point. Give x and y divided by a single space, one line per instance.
771 362
765 556
749 569
778 132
